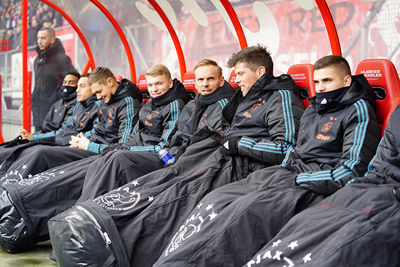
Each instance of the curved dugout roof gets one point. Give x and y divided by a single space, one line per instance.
178 33
129 36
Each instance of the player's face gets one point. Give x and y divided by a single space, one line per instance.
84 91
103 91
245 77
70 80
44 40
208 79
158 85
329 79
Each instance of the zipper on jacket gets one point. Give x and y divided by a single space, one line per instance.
107 238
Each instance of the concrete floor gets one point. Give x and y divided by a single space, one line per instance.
39 256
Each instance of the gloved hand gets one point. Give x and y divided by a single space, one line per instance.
231 145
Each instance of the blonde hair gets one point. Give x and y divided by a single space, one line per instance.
207 62
158 69
100 75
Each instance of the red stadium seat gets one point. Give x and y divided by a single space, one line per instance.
384 79
118 77
302 74
188 81
232 80
142 84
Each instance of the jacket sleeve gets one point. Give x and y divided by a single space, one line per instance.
50 136
127 117
55 117
169 127
360 139
282 120
184 131
387 149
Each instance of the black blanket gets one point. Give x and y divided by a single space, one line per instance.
30 159
356 226
133 215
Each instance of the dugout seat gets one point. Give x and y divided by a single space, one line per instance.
188 81
302 74
142 85
232 80
118 77
384 79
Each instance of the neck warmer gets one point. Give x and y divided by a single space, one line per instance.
324 101
67 91
203 101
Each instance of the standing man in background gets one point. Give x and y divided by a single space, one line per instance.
50 67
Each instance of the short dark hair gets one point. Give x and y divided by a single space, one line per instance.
49 30
74 73
335 61
85 75
254 57
100 75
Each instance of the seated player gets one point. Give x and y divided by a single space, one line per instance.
337 138
57 117
259 124
356 226
156 126
82 118
117 114
125 166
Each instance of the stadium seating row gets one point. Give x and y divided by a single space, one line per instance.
380 73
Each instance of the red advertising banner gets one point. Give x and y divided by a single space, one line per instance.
292 33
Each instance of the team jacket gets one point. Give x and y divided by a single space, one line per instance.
81 120
157 120
85 116
267 118
344 137
203 111
50 68
116 118
387 158
59 113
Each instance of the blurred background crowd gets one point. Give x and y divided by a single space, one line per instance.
39 15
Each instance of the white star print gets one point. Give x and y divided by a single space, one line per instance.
192 218
30 176
200 204
212 215
209 207
135 183
275 244
289 261
278 255
24 166
307 258
151 198
293 244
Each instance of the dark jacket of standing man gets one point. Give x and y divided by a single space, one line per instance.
50 67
